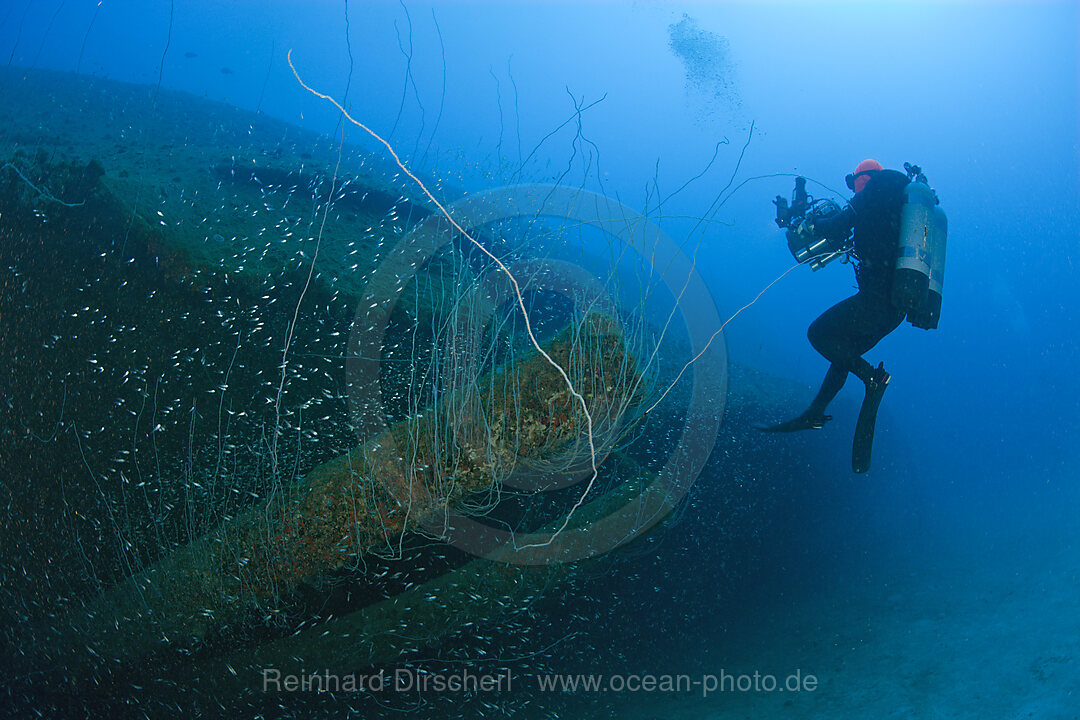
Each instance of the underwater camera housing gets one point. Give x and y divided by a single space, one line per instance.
799 218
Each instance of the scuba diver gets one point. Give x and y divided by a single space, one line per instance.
894 232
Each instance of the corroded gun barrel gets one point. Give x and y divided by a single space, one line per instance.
358 502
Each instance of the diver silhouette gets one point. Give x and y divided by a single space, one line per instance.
848 330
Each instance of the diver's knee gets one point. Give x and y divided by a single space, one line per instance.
818 338
828 346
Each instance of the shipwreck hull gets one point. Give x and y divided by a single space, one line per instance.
185 499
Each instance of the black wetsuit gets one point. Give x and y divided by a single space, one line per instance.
847 330
853 326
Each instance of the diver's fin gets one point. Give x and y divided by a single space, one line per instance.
806 421
864 428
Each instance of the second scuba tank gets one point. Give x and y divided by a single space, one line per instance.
920 262
928 318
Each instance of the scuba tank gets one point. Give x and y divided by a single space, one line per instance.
920 261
